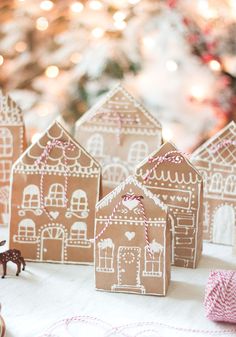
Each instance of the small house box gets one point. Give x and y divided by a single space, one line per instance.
12 144
132 241
178 185
216 161
119 133
54 190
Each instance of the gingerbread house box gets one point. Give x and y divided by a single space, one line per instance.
132 241
12 144
54 190
173 179
119 133
216 161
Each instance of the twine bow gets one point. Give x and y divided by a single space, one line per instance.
223 143
174 157
127 197
42 161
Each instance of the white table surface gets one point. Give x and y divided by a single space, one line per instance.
46 293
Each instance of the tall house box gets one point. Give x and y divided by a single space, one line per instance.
54 189
173 178
12 144
119 133
216 161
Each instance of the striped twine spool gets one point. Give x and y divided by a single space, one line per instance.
220 296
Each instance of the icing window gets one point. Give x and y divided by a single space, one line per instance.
26 228
79 201
115 173
5 170
56 196
216 183
6 142
95 145
78 231
153 263
138 151
230 185
105 256
31 197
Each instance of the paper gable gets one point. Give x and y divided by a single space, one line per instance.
119 133
216 161
178 185
124 241
12 144
54 189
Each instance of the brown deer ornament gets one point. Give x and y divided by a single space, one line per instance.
12 255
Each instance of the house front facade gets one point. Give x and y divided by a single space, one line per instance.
216 161
132 255
119 133
12 144
179 186
53 202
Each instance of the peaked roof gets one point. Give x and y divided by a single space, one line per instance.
131 180
119 106
181 173
225 154
10 113
70 158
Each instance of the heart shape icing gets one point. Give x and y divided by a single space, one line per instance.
130 235
54 214
130 204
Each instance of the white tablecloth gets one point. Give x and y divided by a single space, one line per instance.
45 293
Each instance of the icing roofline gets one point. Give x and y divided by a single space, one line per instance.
93 110
131 179
13 115
19 160
197 153
145 160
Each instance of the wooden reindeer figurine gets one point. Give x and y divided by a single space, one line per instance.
14 256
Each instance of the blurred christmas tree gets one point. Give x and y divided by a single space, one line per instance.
178 57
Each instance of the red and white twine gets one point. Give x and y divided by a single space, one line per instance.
152 327
223 143
220 296
120 120
175 157
127 197
42 162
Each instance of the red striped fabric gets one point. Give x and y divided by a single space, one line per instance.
220 296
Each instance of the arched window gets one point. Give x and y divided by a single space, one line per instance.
31 197
153 262
105 256
5 170
216 183
6 142
204 175
230 185
4 196
95 145
78 231
138 151
115 173
56 196
26 228
79 201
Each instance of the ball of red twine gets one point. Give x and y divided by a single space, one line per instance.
220 296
